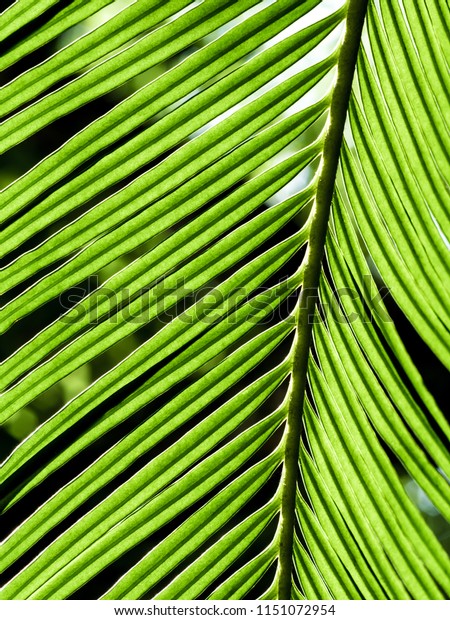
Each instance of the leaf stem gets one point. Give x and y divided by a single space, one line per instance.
356 12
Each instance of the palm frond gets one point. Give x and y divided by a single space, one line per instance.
252 400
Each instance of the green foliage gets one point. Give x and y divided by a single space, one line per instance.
188 430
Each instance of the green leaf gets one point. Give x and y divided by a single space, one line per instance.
225 300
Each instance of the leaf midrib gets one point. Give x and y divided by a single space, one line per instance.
346 65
